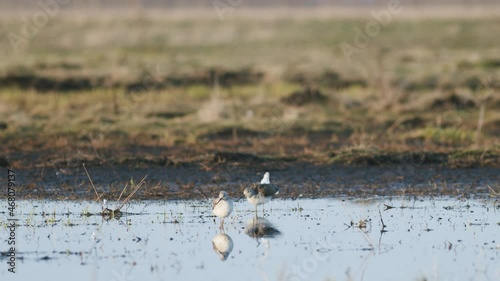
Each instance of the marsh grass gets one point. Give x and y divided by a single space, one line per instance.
493 193
400 94
114 212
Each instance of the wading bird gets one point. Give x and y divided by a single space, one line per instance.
260 193
222 207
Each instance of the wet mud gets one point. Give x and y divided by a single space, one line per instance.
295 179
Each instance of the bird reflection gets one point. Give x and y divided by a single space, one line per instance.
258 227
222 245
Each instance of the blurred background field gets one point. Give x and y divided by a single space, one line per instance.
197 97
171 83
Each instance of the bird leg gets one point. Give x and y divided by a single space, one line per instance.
221 227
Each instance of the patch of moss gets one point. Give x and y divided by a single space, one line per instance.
445 136
458 159
490 63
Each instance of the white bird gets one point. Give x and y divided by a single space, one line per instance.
260 193
222 245
222 206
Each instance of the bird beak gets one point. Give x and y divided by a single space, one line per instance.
220 198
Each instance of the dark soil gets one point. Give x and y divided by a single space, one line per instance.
328 79
225 78
4 162
306 96
493 127
145 82
453 100
231 132
46 84
168 115
295 179
309 167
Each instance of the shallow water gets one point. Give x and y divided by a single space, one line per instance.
334 239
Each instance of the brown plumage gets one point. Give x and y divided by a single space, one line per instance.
260 193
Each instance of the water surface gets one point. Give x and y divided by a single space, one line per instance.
320 239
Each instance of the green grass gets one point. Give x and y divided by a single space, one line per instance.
418 86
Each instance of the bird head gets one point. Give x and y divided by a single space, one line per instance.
247 192
223 195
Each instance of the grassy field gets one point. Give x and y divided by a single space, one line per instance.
114 88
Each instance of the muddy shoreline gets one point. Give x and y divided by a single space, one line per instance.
296 179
